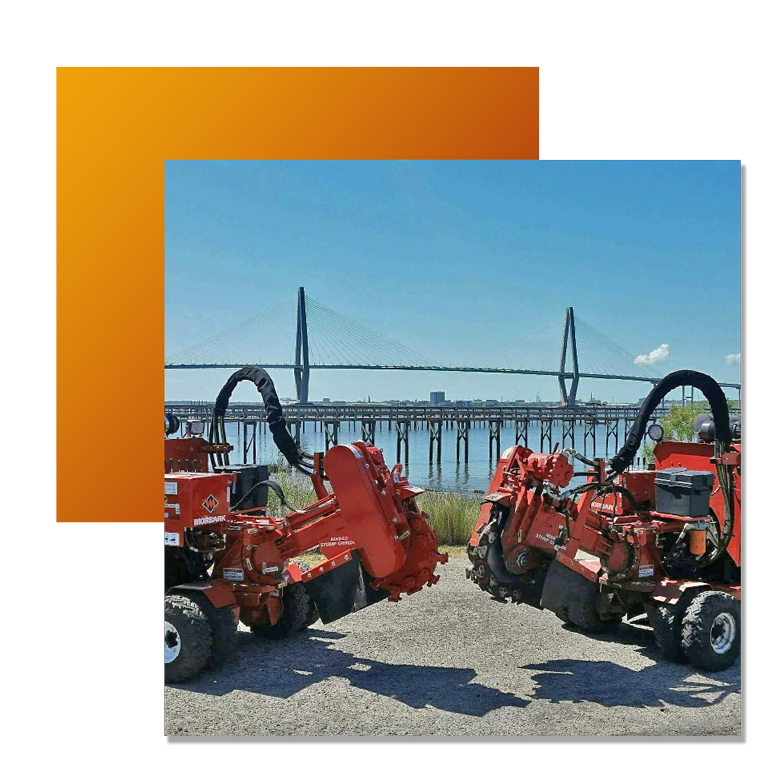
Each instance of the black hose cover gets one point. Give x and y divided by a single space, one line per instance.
263 382
172 423
704 383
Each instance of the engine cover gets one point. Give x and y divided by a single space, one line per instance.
193 501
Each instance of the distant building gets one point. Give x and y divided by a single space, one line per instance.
437 397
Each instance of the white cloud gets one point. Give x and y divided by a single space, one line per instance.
657 356
733 358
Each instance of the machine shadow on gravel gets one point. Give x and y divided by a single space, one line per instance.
611 685
271 670
637 633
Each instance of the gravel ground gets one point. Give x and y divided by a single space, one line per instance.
451 662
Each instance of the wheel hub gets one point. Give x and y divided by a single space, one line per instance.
723 632
172 642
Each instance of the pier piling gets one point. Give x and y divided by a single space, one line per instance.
463 429
403 437
368 431
546 426
331 429
494 425
434 437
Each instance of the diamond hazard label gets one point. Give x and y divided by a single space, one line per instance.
209 503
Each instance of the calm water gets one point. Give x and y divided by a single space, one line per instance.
474 475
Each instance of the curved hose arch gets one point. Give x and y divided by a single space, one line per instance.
274 417
720 409
704 383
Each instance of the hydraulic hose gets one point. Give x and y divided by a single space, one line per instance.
172 423
720 409
709 388
274 417
726 483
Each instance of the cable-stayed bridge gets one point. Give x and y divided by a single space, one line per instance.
312 336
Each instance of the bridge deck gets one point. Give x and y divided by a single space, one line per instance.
430 368
383 412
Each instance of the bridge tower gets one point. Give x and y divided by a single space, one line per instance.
302 351
568 398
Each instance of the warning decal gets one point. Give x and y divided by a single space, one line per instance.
236 575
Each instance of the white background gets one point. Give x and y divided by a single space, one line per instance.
652 80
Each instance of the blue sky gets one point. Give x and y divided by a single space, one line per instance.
458 259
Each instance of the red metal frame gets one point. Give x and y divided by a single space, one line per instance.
624 540
698 456
370 505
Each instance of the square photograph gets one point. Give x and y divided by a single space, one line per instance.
452 448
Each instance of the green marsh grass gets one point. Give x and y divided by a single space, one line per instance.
451 514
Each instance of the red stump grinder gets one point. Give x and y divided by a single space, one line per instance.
623 542
228 561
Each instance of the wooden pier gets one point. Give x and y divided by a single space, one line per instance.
556 424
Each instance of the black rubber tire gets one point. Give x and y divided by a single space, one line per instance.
169 578
666 621
297 608
667 634
698 630
562 615
175 570
223 628
193 629
314 612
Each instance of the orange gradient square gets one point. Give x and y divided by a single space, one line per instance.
115 129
